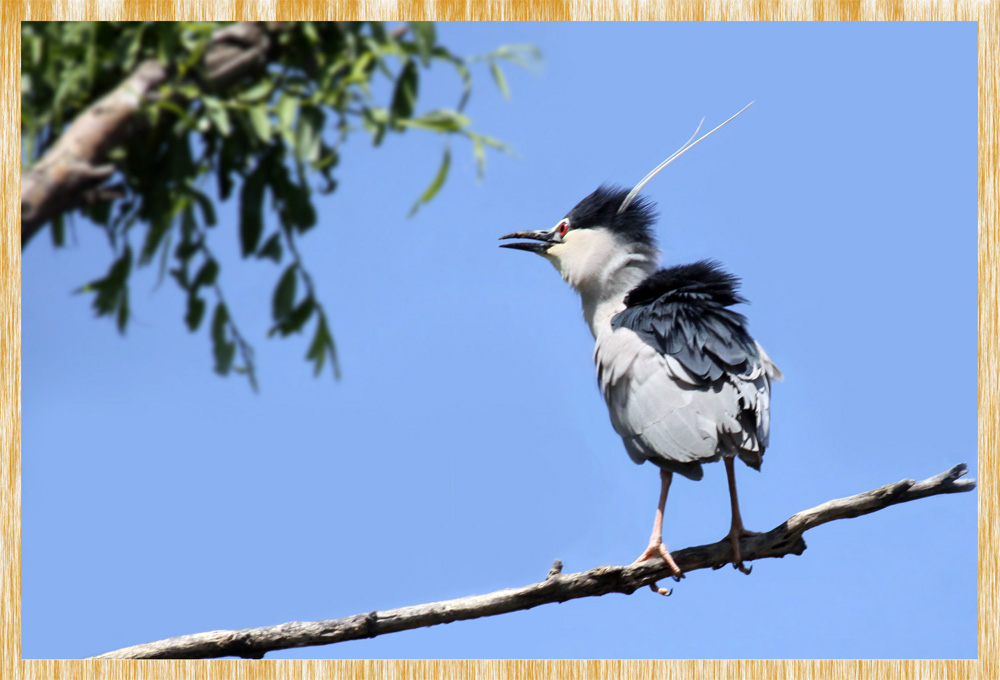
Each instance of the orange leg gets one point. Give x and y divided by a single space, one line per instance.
736 529
656 547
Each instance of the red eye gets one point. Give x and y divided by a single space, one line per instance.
563 228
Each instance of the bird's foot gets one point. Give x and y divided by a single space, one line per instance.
734 536
657 549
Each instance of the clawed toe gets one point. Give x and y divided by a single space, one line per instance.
734 536
666 592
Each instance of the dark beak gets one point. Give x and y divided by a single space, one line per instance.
545 238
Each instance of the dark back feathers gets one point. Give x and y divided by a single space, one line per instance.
683 311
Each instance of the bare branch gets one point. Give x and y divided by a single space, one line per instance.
785 539
67 173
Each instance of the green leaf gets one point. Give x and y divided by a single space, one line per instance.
436 185
205 203
195 312
226 166
181 276
322 346
308 133
284 294
297 209
197 45
359 70
186 248
528 57
251 207
261 122
166 47
112 290
223 349
288 106
99 212
317 349
491 142
375 121
134 48
164 260
123 310
257 92
479 151
160 226
217 113
220 317
424 37
440 120
224 355
271 248
59 230
404 97
299 315
296 319
466 75
500 80
178 111
109 289
207 274
91 59
310 33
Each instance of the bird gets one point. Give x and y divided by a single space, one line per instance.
684 381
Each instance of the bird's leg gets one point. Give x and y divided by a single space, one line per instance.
736 529
656 547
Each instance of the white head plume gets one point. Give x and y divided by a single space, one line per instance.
674 156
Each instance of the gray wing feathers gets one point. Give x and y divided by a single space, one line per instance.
772 372
665 416
684 381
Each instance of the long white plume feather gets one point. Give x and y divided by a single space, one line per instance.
674 156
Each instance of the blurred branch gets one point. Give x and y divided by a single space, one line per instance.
785 539
75 165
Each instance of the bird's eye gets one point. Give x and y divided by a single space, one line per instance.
563 228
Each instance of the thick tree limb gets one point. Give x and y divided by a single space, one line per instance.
785 539
68 172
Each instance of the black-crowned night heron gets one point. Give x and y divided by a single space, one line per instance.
684 382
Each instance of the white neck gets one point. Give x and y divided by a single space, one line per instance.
604 295
603 267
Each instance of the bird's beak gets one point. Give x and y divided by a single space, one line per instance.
546 238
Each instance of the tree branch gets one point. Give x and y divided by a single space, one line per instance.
73 167
785 539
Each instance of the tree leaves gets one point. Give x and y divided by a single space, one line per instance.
498 77
284 295
217 113
308 134
111 291
223 349
273 130
323 347
271 249
436 184
251 210
261 121
404 96
424 37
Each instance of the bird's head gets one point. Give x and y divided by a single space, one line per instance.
598 231
607 229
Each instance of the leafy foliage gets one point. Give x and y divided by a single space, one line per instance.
269 135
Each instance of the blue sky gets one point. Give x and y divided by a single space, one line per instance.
467 445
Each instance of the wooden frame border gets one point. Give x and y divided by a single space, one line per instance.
985 12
